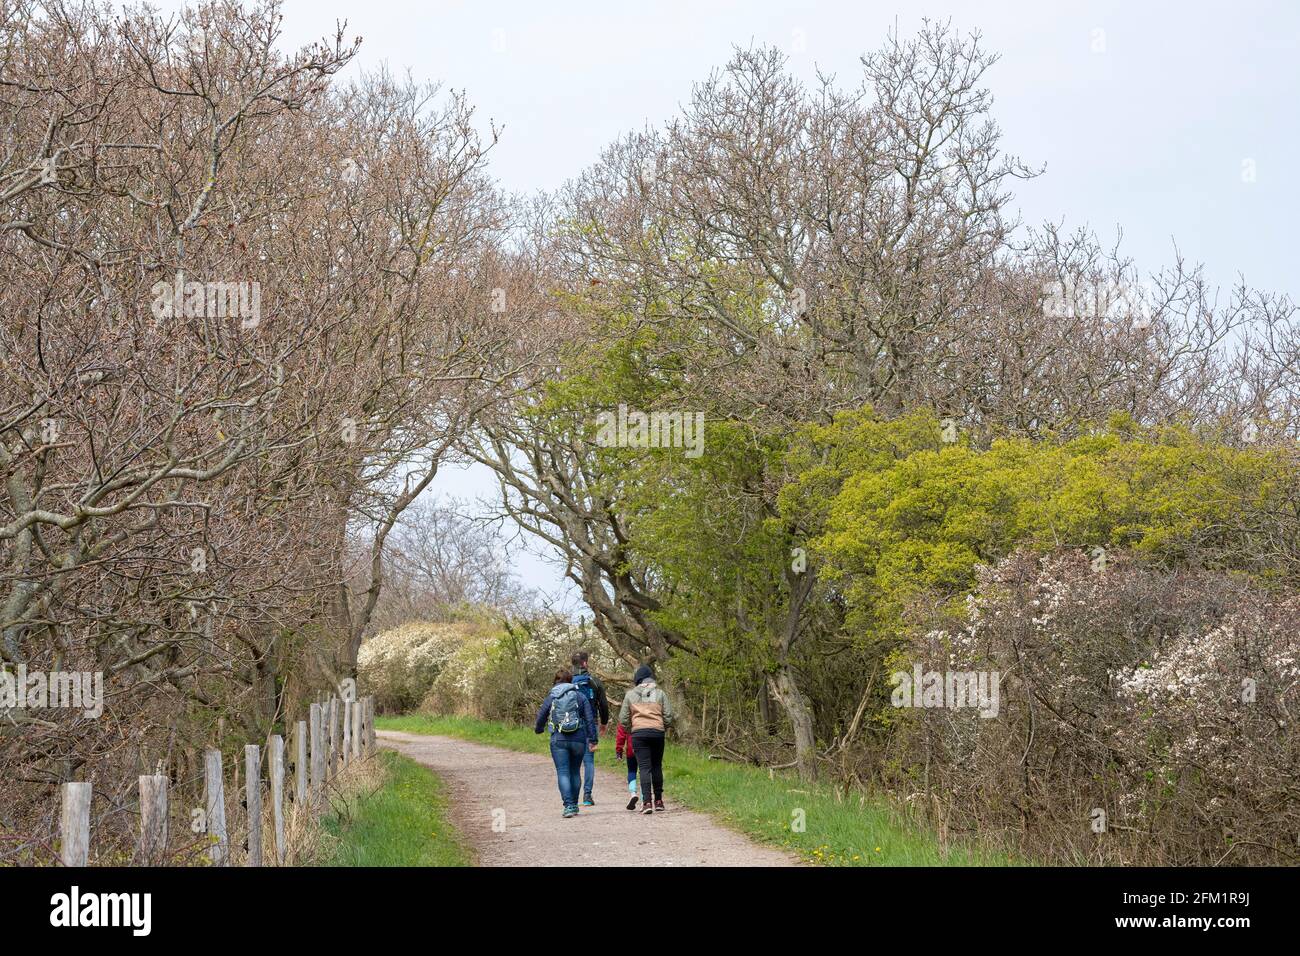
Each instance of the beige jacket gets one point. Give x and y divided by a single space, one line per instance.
645 707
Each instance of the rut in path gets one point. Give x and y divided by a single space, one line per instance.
519 788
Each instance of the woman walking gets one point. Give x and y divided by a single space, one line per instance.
568 714
647 715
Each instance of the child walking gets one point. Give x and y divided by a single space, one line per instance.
623 749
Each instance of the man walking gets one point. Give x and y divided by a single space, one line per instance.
590 687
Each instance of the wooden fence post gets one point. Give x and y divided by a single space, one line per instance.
317 755
356 729
334 735
372 741
74 824
215 787
347 732
277 794
300 765
153 818
253 797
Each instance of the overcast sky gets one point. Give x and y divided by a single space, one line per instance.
1146 115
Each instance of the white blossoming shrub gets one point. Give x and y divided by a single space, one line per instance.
503 675
399 666
1144 715
456 691
1212 714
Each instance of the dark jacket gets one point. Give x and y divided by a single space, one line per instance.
602 702
588 716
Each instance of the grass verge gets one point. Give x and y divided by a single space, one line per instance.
400 822
815 822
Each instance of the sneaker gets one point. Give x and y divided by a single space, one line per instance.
659 806
631 804
587 801
570 812
647 809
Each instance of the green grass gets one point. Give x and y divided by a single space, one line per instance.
853 831
403 823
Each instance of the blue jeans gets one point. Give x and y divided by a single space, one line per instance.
588 771
568 757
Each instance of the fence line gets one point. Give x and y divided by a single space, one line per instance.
320 754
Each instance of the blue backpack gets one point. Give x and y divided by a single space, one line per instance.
566 710
582 681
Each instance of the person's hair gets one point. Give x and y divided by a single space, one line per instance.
580 658
563 675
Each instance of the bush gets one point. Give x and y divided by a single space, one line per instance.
1143 715
503 675
1209 723
400 665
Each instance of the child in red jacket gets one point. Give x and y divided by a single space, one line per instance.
623 749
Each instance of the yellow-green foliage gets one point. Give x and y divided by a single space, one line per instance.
902 513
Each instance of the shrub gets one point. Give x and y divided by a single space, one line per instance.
400 665
1123 733
1208 721
504 674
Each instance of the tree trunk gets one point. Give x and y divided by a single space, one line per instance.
782 682
685 720
792 699
766 719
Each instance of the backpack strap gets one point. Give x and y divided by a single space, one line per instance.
550 714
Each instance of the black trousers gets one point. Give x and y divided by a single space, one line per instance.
649 752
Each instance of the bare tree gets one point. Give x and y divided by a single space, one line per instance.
245 312
440 561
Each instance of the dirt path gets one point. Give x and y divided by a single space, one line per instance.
518 791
